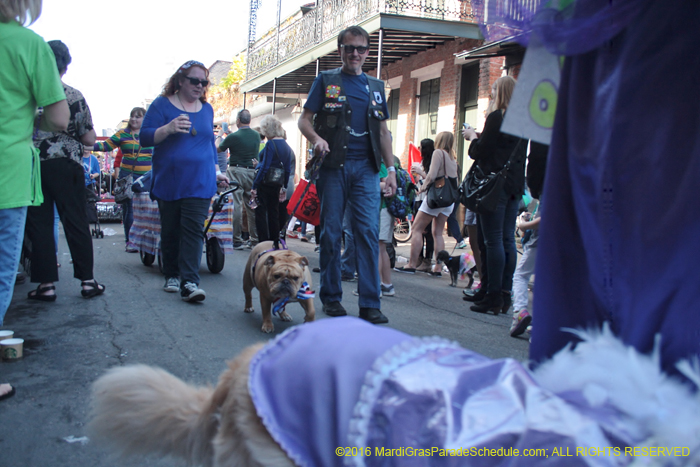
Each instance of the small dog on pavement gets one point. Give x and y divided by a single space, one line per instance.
463 265
280 276
323 392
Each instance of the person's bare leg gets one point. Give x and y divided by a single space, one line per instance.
421 220
384 264
438 229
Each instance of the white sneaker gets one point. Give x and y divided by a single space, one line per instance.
192 293
388 290
172 285
381 293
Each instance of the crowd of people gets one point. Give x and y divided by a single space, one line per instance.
174 141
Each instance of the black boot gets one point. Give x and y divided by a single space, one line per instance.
471 296
492 302
507 301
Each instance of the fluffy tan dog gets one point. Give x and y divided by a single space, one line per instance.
145 410
276 274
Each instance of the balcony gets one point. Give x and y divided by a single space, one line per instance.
411 26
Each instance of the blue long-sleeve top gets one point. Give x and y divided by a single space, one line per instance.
184 165
270 157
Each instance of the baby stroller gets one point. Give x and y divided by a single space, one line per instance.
214 251
218 231
91 209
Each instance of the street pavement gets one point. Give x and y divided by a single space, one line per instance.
71 342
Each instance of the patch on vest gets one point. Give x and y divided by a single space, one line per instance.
332 91
379 114
333 105
378 97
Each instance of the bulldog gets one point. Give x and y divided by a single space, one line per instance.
279 276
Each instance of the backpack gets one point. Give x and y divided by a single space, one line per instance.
401 204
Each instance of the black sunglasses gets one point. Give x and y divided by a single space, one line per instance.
351 48
195 81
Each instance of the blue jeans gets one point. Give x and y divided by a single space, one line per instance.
356 183
181 237
348 264
453 225
498 228
11 237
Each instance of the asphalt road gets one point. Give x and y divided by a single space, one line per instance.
71 342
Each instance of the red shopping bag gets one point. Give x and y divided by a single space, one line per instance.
304 204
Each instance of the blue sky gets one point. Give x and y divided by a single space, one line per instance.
123 52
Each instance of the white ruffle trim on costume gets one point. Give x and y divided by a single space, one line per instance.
383 367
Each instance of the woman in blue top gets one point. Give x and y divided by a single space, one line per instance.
178 125
275 154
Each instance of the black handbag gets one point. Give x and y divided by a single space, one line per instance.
274 177
480 192
443 191
122 189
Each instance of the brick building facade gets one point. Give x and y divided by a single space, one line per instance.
407 77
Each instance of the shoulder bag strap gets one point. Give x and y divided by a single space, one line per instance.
444 166
510 159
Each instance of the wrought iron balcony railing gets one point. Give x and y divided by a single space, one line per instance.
331 16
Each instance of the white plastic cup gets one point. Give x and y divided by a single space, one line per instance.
6 335
11 349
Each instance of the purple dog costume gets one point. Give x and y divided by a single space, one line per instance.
379 397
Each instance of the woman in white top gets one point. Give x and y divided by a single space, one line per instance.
443 163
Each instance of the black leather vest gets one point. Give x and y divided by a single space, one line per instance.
331 122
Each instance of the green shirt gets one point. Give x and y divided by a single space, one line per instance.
243 146
28 79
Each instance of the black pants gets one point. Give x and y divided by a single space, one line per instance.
181 237
482 248
283 218
267 214
63 183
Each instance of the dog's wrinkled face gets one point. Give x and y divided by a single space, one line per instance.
285 273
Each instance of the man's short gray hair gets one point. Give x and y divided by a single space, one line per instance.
244 117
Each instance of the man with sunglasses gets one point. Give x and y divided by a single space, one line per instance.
344 119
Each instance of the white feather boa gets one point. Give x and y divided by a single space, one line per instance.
663 410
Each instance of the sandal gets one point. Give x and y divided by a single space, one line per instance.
94 290
406 269
7 394
40 294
